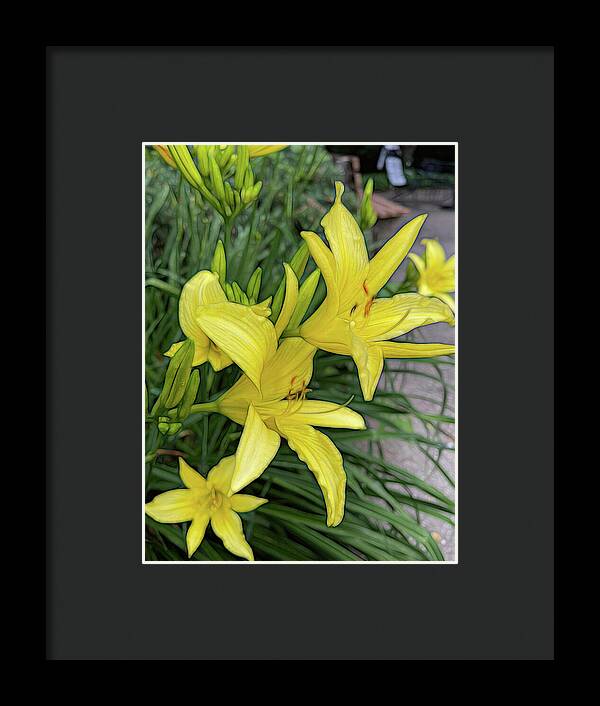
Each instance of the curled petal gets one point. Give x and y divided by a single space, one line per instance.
395 316
325 461
203 288
248 339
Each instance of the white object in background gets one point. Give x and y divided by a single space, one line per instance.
393 165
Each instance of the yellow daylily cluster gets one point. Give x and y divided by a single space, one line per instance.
276 359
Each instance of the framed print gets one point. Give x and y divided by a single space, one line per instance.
300 353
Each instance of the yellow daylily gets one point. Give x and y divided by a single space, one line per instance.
352 320
262 150
245 335
281 404
211 499
436 274
279 401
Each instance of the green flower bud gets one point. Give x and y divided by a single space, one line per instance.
185 164
217 181
240 295
177 375
305 296
253 288
241 165
298 265
249 178
367 215
229 195
230 294
219 262
203 159
256 190
189 396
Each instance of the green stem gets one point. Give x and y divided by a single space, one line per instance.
290 333
204 407
228 230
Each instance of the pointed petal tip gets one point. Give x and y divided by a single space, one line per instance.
339 190
420 219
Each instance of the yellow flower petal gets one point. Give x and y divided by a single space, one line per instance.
202 288
290 367
333 335
190 477
217 359
262 308
388 259
414 350
258 445
174 506
227 525
369 362
417 261
397 315
324 460
196 530
348 247
314 412
246 503
234 403
325 261
220 475
200 351
262 150
435 257
446 298
289 302
248 339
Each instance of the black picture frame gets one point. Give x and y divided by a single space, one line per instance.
498 103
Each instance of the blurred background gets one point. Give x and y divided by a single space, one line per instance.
410 180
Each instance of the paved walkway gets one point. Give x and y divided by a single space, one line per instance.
440 225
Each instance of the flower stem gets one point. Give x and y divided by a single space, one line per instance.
228 230
204 408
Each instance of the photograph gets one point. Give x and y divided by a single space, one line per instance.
299 328
321 232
